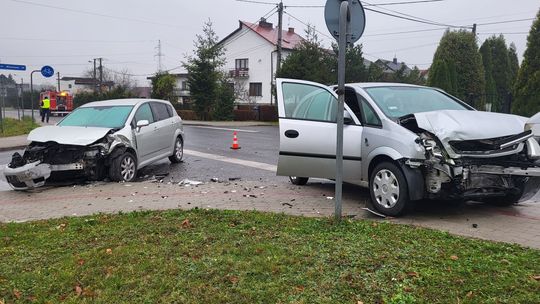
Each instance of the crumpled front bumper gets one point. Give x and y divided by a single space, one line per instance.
27 177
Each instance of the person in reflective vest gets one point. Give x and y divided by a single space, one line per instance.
45 109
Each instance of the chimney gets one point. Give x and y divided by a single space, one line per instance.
291 30
265 24
395 60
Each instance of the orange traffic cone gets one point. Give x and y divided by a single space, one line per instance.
235 145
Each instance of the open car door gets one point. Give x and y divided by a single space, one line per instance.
308 130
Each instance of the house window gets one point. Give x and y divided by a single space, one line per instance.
241 64
69 86
255 89
185 86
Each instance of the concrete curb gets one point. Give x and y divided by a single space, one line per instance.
3 149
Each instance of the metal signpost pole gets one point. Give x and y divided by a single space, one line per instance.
343 22
346 21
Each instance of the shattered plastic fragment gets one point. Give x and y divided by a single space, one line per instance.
188 182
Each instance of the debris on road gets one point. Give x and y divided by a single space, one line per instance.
374 212
234 178
187 182
214 179
287 204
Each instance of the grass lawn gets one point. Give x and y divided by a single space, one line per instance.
14 127
213 256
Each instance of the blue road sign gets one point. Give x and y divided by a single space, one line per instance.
16 67
47 71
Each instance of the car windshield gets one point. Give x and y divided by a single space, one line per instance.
103 116
399 101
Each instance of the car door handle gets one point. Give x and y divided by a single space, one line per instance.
292 133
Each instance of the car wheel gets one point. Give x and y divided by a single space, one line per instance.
300 181
388 189
178 153
123 168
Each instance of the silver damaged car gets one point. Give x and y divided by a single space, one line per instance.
406 143
112 138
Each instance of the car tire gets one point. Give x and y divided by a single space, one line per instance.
123 168
388 189
178 152
299 181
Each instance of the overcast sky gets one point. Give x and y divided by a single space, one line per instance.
66 34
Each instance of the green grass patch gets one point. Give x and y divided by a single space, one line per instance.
14 127
202 256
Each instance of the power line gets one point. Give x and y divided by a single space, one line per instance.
95 14
417 20
405 32
411 16
509 33
367 4
74 40
325 35
507 21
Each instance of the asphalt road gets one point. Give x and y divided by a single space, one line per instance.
258 144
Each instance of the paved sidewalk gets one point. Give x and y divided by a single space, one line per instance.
519 224
19 142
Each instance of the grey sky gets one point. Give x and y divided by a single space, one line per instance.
68 33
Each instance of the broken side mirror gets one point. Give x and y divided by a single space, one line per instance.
142 123
347 118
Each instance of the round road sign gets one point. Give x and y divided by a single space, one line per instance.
47 71
357 19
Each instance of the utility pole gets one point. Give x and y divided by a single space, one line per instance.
100 75
58 79
159 55
280 33
22 97
95 79
474 29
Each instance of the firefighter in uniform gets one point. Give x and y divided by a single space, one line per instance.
45 109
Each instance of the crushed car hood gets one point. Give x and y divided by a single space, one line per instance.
78 136
450 125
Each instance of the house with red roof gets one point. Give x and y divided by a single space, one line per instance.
251 59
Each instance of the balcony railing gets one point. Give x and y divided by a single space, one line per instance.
239 73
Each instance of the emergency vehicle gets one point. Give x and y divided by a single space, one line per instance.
61 102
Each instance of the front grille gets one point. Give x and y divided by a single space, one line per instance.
485 146
15 181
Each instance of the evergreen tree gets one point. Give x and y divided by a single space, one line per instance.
310 62
527 87
356 71
460 47
204 73
163 85
439 76
375 73
224 107
514 63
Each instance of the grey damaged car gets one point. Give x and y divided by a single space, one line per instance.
112 138
407 143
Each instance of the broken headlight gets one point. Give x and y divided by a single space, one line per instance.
95 151
432 147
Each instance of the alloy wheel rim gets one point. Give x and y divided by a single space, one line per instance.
179 149
128 168
386 188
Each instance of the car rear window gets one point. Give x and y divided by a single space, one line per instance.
160 110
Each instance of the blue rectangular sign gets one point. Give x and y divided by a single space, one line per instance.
16 67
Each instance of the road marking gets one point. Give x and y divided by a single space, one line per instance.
247 163
226 129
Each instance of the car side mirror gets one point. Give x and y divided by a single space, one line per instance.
142 123
347 118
